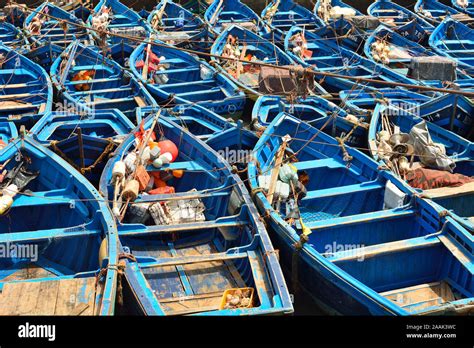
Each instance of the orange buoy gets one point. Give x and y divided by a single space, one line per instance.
167 146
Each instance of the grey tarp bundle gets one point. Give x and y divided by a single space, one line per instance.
433 68
430 154
365 22
283 81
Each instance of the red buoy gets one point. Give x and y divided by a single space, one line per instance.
168 146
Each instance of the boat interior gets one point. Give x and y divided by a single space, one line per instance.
10 35
186 78
24 91
327 59
188 264
387 12
173 13
291 14
50 264
106 87
457 148
54 33
198 121
427 265
361 101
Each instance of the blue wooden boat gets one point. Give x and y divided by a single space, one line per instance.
187 267
88 81
343 32
316 111
357 234
80 8
197 7
117 18
449 111
70 265
328 56
454 40
254 48
144 13
322 9
15 13
401 53
11 36
222 14
182 78
223 135
464 6
44 55
461 151
414 31
200 122
179 27
435 11
48 25
85 141
452 112
27 90
282 15
402 50
393 14
8 132
363 102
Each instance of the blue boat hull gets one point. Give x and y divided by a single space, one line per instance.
330 292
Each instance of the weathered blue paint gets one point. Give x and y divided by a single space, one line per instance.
8 131
263 50
68 230
469 9
26 88
328 56
363 102
218 132
111 87
434 11
124 21
413 49
401 247
52 32
180 26
317 111
11 36
386 10
229 249
287 14
97 129
189 80
457 148
223 13
454 40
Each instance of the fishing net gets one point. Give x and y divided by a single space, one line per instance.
426 179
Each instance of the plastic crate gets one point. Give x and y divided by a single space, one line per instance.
231 292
